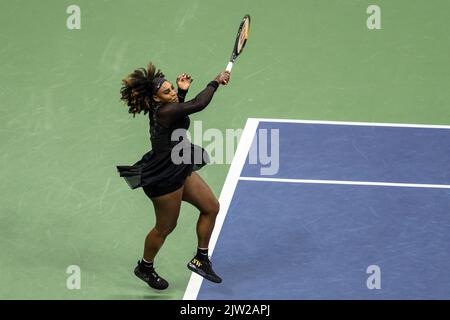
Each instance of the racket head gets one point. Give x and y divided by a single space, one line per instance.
241 37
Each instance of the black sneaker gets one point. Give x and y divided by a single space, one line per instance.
204 269
150 276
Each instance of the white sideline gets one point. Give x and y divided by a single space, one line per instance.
225 197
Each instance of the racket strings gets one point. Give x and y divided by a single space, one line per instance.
243 36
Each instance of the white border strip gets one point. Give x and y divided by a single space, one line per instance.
354 183
347 123
225 197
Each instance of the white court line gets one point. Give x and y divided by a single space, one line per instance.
225 197
349 123
355 183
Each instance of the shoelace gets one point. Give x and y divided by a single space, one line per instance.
153 273
208 265
156 276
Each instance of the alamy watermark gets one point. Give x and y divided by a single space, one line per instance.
373 22
73 21
220 147
374 280
73 281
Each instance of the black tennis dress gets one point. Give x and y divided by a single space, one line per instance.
164 168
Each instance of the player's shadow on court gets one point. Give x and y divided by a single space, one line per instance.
146 296
140 292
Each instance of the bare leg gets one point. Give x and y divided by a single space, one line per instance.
167 210
198 193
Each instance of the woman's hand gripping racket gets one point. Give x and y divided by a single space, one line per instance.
241 40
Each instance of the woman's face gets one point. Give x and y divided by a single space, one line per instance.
166 93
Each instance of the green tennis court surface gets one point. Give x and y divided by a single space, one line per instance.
63 128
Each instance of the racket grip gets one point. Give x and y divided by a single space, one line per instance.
229 66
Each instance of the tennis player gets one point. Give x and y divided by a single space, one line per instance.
159 172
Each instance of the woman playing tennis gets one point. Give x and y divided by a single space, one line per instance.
164 178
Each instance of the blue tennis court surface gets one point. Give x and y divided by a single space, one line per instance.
345 197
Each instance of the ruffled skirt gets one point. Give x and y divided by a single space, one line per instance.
156 171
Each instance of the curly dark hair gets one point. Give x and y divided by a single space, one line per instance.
136 91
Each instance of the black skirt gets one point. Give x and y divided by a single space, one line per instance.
157 174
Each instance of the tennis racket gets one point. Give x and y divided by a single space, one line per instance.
241 40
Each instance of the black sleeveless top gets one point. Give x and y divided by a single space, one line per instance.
156 168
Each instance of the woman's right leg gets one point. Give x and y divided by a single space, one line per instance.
167 210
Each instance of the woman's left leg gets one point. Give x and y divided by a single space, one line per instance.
200 195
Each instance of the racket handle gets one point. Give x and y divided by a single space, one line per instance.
229 66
